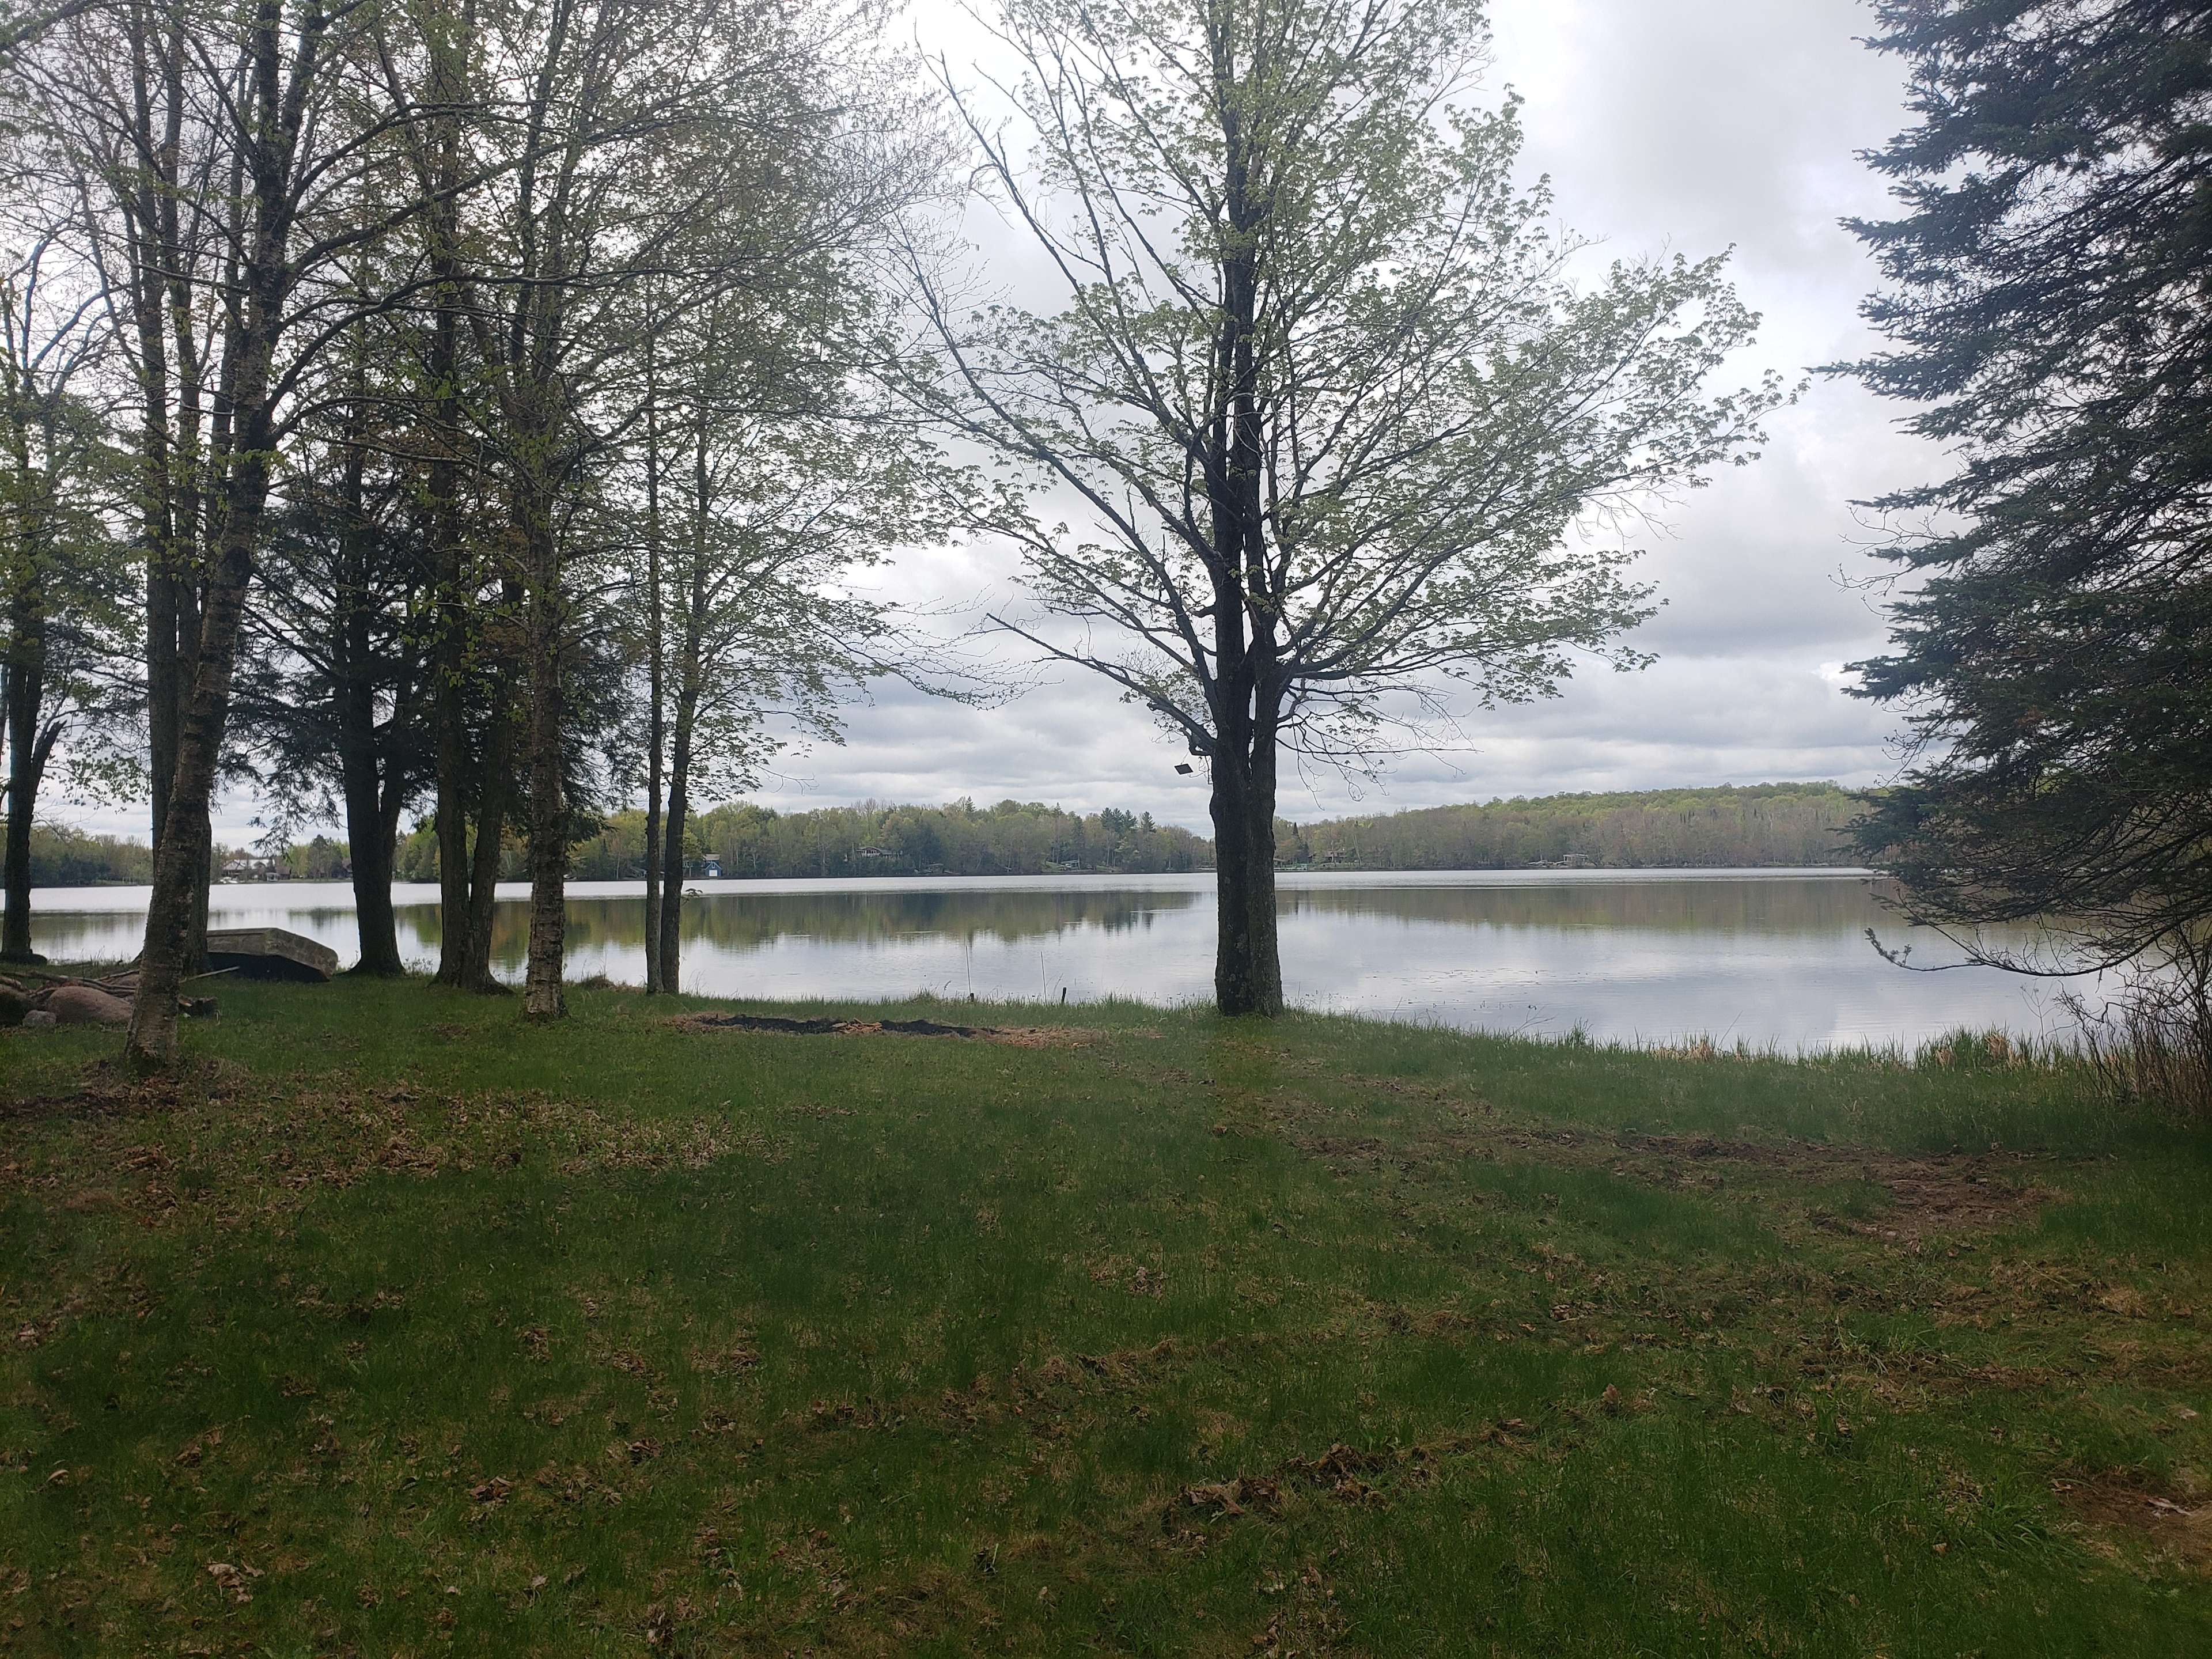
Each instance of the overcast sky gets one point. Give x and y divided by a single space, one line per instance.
1683 125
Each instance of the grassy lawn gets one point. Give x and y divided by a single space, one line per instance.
400 1329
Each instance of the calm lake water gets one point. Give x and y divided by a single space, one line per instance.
1769 958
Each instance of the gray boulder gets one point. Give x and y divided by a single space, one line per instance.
82 1004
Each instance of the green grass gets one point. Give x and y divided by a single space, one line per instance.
436 1333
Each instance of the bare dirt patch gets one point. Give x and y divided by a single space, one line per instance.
158 1154
1016 1036
397 1131
1420 1155
108 1092
1937 1192
2123 1508
86 1103
1940 1192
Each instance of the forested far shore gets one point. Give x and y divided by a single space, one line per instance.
1012 838
1771 825
65 857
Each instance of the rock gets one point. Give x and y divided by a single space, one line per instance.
14 1005
39 1018
81 1005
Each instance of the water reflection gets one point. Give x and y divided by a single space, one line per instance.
749 921
1769 958
1805 906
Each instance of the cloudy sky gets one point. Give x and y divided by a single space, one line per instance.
1686 125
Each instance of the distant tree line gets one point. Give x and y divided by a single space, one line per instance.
70 858
1768 824
1762 825
64 857
1013 838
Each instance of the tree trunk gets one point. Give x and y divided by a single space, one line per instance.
450 645
28 749
1248 971
164 697
449 710
22 698
1247 966
205 513
656 734
180 867
193 950
493 792
205 502
654 899
368 846
542 997
388 845
689 673
452 785
176 914
153 258
468 880
669 944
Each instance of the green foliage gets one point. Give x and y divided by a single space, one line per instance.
62 857
320 859
1013 838
405 1329
1767 824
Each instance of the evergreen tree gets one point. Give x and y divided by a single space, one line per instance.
2050 306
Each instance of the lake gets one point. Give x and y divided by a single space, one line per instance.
1772 957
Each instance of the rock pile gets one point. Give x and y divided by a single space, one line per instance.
58 1000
